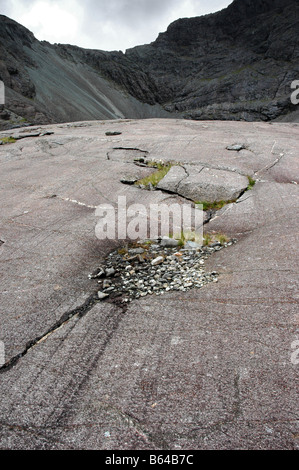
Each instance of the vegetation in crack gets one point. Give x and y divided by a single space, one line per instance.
217 205
213 206
210 239
7 140
153 180
251 182
215 239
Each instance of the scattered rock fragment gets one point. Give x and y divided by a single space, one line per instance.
192 245
106 284
137 251
157 271
130 180
236 147
157 260
102 295
169 242
113 133
97 274
110 272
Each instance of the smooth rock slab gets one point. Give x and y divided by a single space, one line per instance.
212 185
197 183
171 181
202 369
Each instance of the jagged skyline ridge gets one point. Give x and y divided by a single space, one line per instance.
103 24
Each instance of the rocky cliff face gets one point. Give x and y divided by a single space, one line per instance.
237 64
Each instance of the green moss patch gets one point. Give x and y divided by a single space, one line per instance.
7 140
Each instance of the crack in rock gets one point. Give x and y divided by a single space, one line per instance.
215 167
74 201
280 155
271 165
122 154
172 180
80 311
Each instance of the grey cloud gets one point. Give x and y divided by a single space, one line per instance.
142 11
129 22
130 10
143 20
137 17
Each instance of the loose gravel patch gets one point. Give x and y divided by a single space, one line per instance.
149 268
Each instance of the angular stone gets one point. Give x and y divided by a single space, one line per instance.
236 147
130 180
192 245
169 243
102 295
136 251
110 272
157 260
97 274
106 284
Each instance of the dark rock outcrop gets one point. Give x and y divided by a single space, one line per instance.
237 64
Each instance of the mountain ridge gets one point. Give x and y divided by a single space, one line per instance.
236 64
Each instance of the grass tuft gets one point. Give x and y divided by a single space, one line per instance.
157 176
8 140
210 238
216 205
251 183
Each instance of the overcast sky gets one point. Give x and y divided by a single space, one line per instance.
103 24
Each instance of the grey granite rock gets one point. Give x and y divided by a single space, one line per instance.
204 184
212 185
169 242
171 181
207 366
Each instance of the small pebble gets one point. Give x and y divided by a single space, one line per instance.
102 295
110 272
157 260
